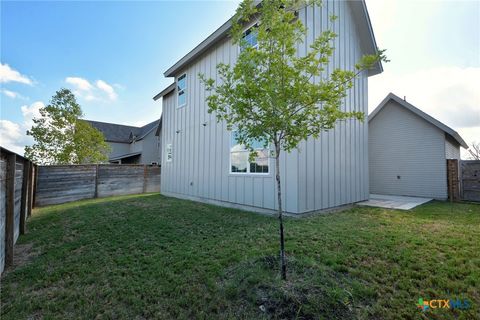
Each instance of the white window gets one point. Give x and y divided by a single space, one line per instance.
169 153
182 90
250 38
239 157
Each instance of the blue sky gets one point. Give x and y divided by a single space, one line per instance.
113 55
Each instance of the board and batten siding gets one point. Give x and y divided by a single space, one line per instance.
407 154
323 173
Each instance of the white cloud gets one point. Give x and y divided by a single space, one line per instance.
79 83
140 123
102 85
7 74
13 94
449 94
9 93
13 136
30 112
85 89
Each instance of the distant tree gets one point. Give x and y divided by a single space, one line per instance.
269 94
62 137
474 151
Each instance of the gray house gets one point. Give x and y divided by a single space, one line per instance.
202 161
408 150
139 145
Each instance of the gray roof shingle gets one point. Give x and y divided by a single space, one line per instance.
121 133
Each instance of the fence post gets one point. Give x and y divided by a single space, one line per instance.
144 178
30 189
35 180
10 209
96 181
23 203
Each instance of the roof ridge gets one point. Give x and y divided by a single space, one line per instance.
422 114
111 123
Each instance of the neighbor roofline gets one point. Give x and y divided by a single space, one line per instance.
199 49
150 130
126 155
454 134
165 91
116 124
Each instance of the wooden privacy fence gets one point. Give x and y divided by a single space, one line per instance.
453 176
17 184
65 183
470 176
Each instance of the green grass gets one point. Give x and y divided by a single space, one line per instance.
150 256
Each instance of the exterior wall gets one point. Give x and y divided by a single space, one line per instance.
324 173
452 149
150 148
136 146
118 149
402 144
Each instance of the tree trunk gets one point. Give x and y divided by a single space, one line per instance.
280 213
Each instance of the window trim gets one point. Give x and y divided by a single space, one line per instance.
249 26
248 173
184 90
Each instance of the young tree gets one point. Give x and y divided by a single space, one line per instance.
61 137
474 151
269 94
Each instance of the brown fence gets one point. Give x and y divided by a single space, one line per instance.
453 182
65 183
470 176
16 199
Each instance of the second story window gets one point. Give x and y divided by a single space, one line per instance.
182 90
250 38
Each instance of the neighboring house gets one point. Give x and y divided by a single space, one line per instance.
201 160
408 150
130 144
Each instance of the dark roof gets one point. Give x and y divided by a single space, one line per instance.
127 155
121 133
360 15
454 134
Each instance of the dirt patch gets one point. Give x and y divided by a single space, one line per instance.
311 292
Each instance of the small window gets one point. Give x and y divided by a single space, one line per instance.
181 90
239 157
250 38
169 153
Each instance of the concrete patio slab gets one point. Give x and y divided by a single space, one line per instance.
394 202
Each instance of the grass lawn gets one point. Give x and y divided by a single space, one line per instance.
150 256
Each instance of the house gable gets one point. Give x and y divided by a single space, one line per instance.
360 18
